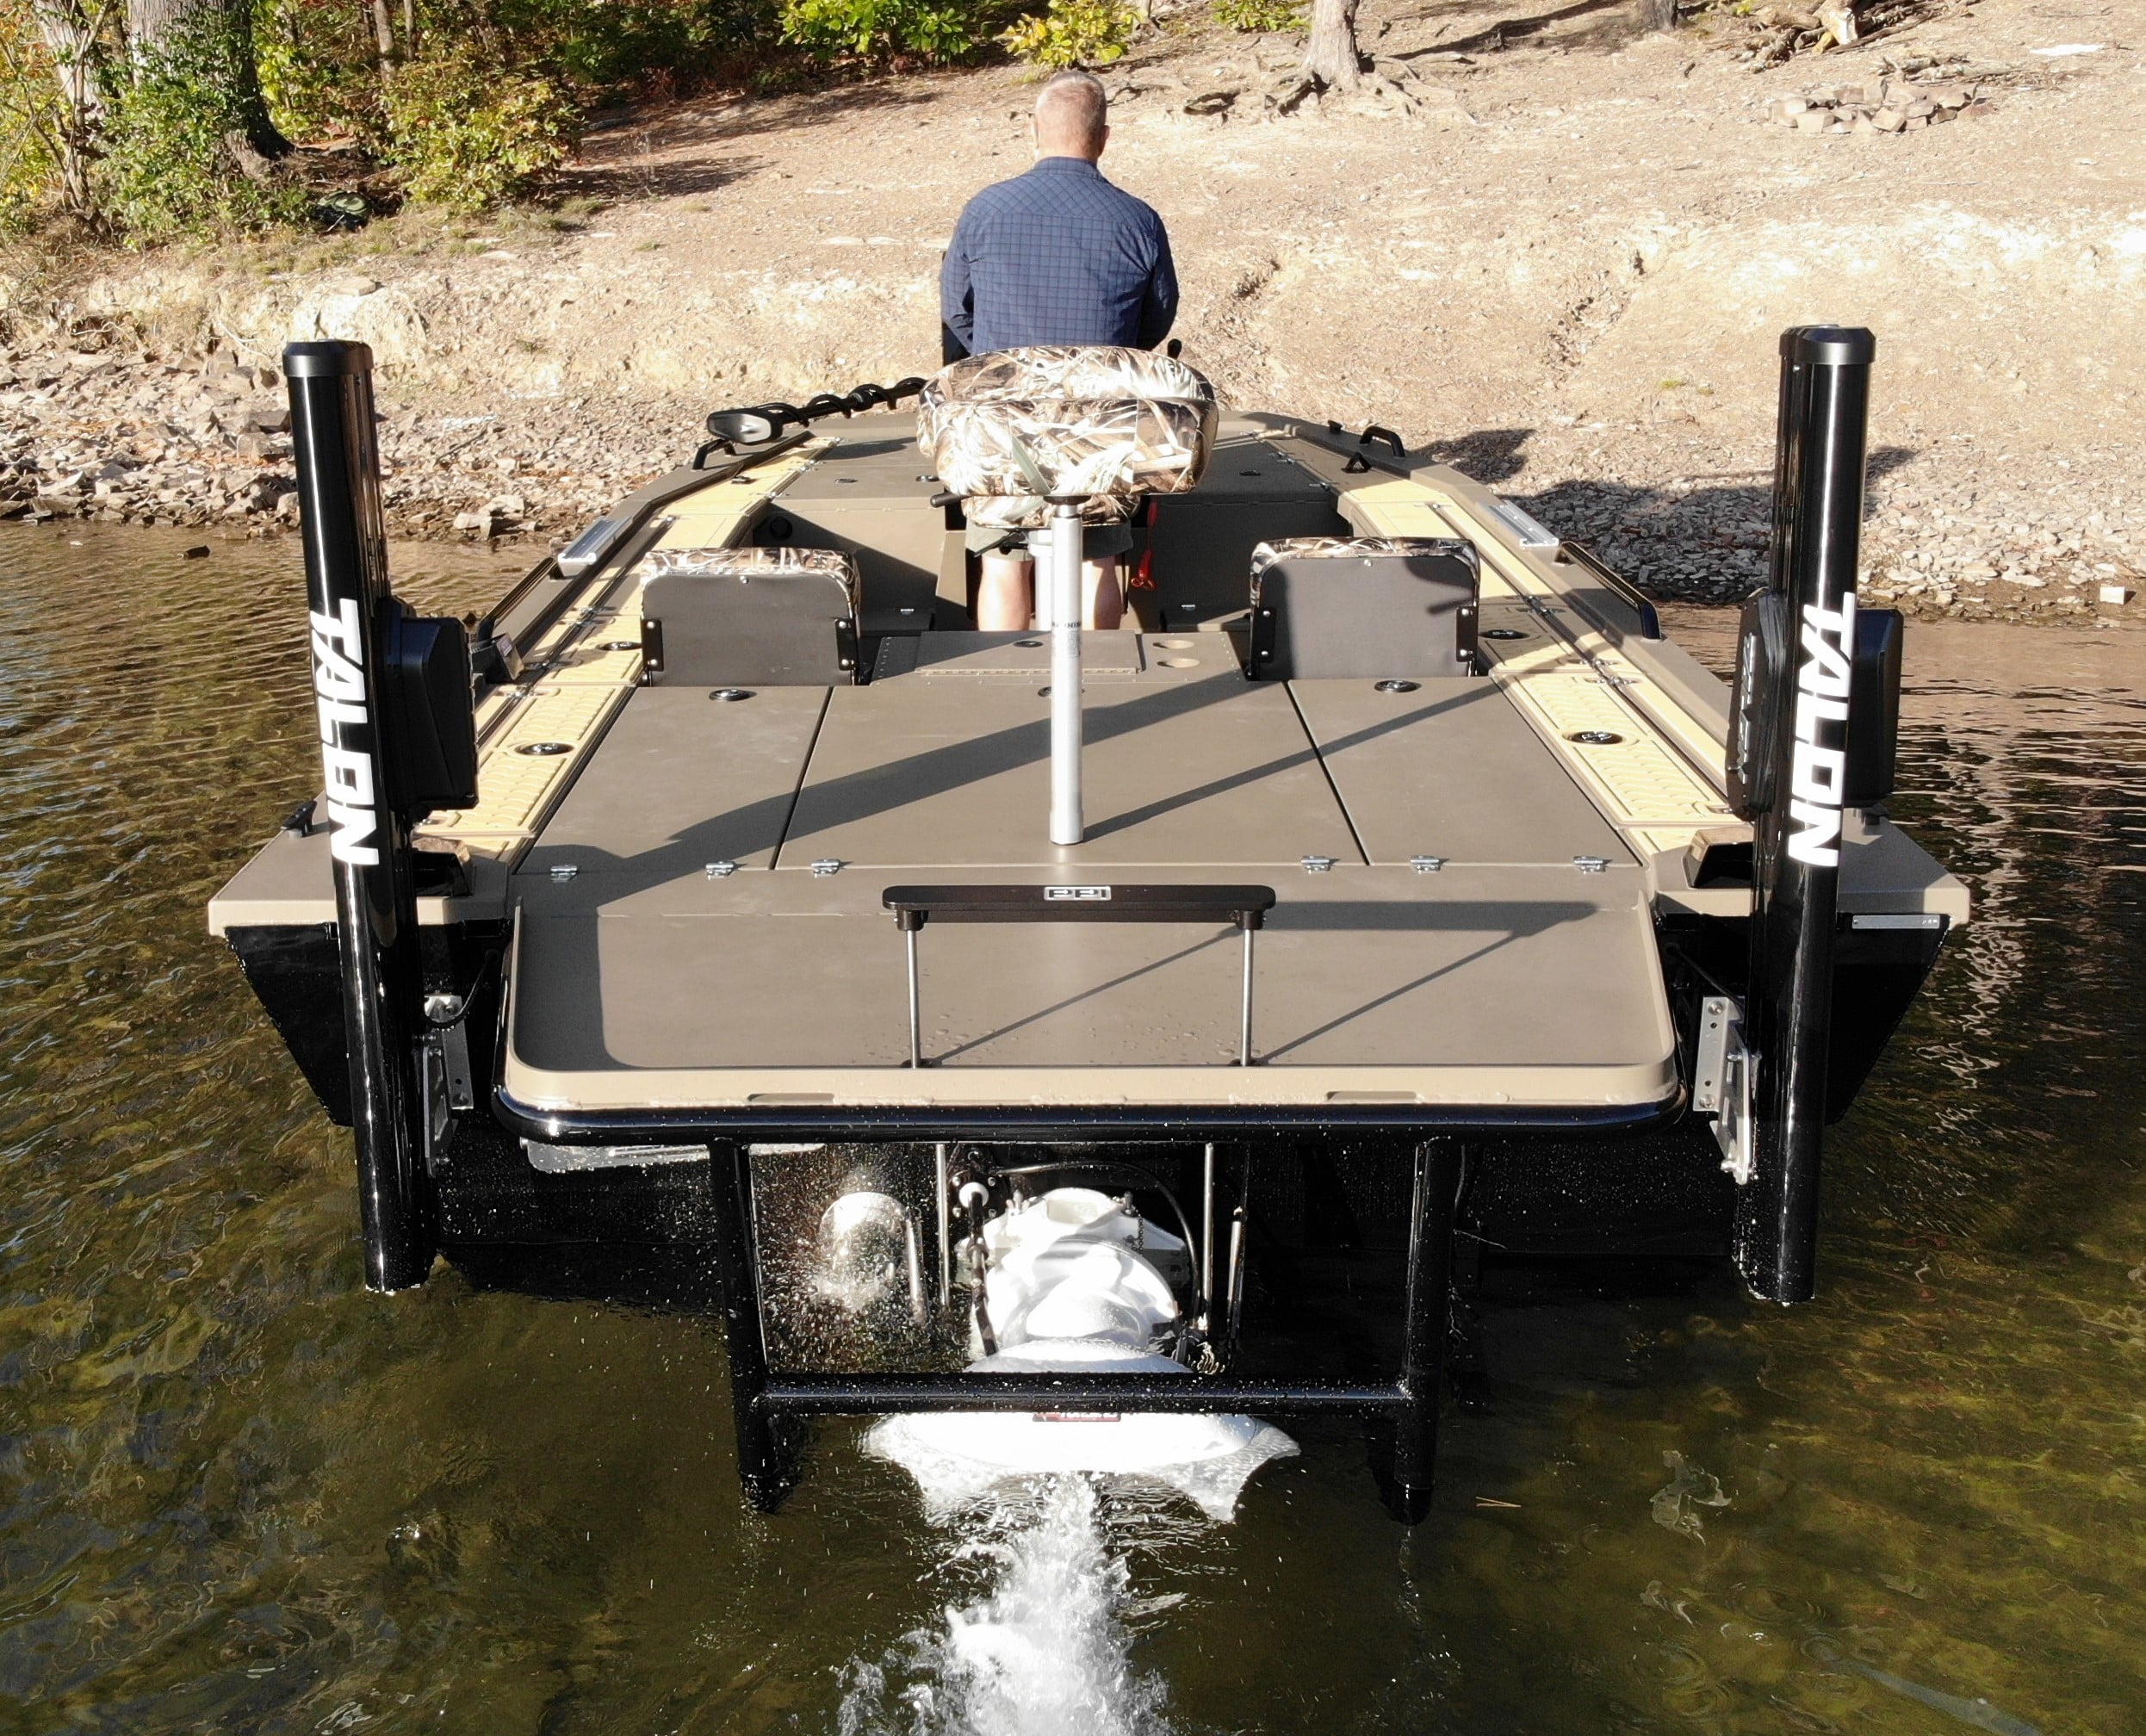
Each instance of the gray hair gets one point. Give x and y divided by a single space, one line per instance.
1073 102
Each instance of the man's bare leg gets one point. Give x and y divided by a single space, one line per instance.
1005 593
1102 597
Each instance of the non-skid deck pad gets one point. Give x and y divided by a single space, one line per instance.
1182 767
1479 986
683 780
1449 769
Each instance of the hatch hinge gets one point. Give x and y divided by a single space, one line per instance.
1722 1075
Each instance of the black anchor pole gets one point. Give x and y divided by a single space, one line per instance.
1818 516
352 609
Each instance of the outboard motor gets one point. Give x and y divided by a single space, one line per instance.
1074 1280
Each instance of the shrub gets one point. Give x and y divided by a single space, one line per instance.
610 45
1260 14
466 136
1075 33
167 169
320 70
934 30
32 115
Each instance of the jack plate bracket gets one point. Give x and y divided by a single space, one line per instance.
1722 1083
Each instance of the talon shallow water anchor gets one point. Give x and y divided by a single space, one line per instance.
392 693
1812 738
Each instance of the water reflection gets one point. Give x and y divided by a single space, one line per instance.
237 1493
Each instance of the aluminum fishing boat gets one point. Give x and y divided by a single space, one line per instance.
1055 1024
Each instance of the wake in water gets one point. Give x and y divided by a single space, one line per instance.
1045 1652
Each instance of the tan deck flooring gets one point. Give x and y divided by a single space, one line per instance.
1508 976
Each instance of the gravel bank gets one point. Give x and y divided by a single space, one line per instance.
123 438
128 437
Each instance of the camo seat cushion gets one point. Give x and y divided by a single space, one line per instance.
748 564
1108 425
1354 547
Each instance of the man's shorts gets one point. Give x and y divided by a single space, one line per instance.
1098 542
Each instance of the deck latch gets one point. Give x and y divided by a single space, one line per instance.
1318 865
722 871
1591 864
825 866
1722 1072
1426 865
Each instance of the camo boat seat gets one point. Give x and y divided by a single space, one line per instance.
744 617
1009 430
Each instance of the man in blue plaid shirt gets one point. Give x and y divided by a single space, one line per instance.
1057 256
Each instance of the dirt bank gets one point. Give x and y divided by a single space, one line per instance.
1559 256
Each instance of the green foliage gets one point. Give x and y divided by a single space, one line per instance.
598 46
934 30
319 71
168 167
470 102
1260 14
32 118
1075 33
466 136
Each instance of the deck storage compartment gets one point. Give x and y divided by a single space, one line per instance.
1325 607
744 617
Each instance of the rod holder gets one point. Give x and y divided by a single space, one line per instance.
1067 824
353 620
1800 688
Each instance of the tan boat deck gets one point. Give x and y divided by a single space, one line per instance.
643 981
1509 976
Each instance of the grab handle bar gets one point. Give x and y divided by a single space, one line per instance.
1579 554
1245 907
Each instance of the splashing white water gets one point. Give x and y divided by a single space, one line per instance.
1045 1652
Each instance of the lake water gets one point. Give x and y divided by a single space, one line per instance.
239 1494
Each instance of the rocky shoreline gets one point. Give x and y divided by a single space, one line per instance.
131 437
126 437
1963 535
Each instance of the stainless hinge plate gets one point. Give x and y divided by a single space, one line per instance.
1723 1074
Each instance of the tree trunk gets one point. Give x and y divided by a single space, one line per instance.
1656 15
1330 56
384 36
223 31
70 39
